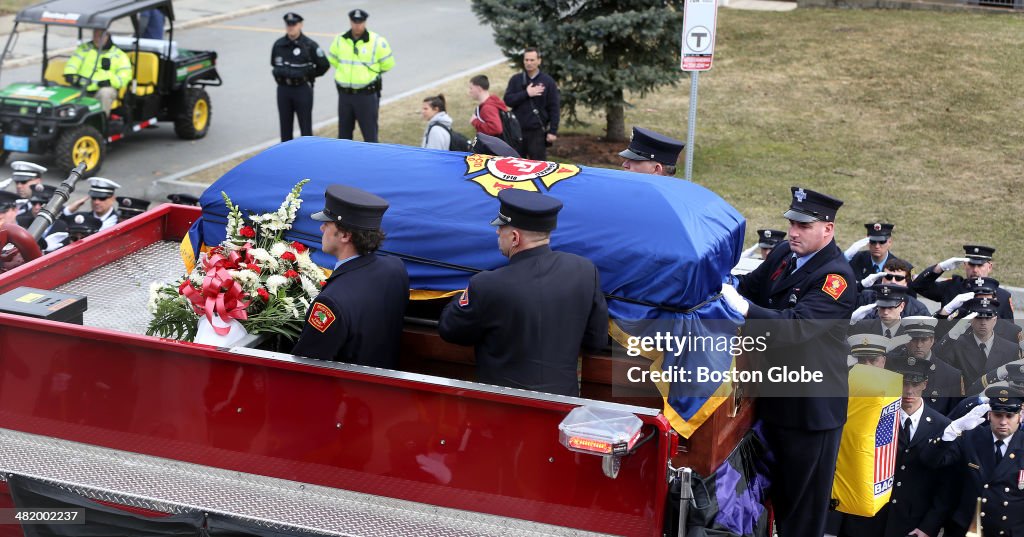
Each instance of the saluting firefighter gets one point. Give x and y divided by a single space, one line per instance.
358 315
991 460
297 62
359 57
102 202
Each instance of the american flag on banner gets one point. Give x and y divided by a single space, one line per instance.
885 446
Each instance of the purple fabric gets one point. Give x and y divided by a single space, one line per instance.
741 494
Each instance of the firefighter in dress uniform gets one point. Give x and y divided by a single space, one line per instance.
102 202
801 298
991 460
651 152
529 319
359 313
297 61
26 176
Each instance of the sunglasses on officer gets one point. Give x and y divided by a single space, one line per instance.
878 242
894 277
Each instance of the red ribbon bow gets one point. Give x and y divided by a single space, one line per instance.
220 293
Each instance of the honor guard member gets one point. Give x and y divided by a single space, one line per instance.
806 292
872 260
873 349
26 175
101 196
529 319
651 153
41 195
359 313
82 225
359 57
977 262
921 498
486 144
981 288
990 458
1015 375
297 61
945 382
888 306
979 350
129 207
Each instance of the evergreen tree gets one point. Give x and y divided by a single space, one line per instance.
595 49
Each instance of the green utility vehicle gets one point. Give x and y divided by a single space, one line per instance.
53 117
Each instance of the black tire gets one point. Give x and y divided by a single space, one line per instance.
83 141
193 120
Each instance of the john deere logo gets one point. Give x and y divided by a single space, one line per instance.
495 174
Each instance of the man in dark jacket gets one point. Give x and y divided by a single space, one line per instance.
358 315
534 99
801 299
977 262
529 319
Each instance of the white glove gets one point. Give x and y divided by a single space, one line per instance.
973 419
872 279
749 252
957 301
862 312
54 241
952 263
961 326
1001 371
856 247
734 300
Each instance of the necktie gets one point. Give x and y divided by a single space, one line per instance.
877 269
906 428
999 451
791 267
888 334
982 347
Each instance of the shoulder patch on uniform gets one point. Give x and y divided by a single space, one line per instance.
321 317
464 298
834 286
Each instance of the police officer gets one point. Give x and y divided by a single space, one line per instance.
977 262
26 176
651 152
358 315
297 62
510 313
808 285
921 497
945 382
102 202
991 460
359 57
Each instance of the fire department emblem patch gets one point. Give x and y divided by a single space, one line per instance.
321 317
464 299
834 286
495 174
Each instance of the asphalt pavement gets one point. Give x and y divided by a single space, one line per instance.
431 42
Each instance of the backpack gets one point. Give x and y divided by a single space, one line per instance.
457 140
511 132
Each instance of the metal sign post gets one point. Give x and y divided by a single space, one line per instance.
699 28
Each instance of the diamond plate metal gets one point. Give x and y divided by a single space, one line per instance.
118 292
171 486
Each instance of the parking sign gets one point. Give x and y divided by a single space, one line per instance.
699 18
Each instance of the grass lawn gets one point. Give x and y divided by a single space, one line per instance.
911 117
14 6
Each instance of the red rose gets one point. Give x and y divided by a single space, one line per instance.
247 232
255 268
291 274
299 247
181 288
323 283
288 256
263 294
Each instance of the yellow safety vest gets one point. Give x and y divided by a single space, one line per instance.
86 60
358 64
